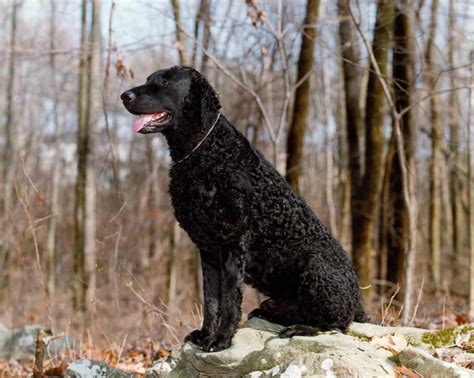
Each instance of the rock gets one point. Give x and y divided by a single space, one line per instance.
256 351
90 368
20 343
430 366
413 335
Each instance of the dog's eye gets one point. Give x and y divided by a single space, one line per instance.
164 82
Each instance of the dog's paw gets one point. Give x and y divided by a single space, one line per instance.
215 343
197 336
257 313
298 330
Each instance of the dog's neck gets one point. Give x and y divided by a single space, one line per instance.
184 138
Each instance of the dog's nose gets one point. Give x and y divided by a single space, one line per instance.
128 96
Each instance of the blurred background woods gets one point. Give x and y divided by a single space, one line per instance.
365 107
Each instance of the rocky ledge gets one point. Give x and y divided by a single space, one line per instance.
366 350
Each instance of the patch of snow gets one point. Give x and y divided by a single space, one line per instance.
162 367
85 369
275 370
263 361
293 371
81 367
278 355
327 365
255 374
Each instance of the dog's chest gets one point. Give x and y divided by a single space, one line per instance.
200 206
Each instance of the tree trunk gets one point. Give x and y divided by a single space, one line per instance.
9 153
95 92
9 150
404 80
298 123
88 111
54 202
175 236
384 218
367 196
345 213
455 155
152 243
352 75
329 121
180 40
176 230
435 161
82 156
203 19
206 36
470 179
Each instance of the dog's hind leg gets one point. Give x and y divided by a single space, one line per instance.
275 311
302 330
266 311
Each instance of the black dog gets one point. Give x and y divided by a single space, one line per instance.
249 224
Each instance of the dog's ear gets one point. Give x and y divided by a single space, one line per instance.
202 100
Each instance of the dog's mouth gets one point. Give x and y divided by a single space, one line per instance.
149 123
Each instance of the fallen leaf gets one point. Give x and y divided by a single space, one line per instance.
462 338
393 343
403 371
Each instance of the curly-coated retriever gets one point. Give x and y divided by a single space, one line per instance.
249 224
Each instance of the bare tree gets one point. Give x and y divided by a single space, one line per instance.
203 23
404 80
352 90
435 183
9 149
298 123
407 173
180 41
175 234
54 202
82 155
454 147
88 111
470 185
367 197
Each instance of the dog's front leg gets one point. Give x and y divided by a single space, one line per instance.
232 273
212 294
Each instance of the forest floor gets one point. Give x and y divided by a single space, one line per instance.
132 334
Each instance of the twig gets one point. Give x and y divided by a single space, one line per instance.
119 355
418 300
37 253
27 175
389 305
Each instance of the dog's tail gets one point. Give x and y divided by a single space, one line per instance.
360 316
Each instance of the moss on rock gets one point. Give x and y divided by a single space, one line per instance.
359 336
445 337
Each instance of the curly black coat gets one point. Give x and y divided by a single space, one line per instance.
248 223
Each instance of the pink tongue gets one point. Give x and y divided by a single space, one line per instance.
140 121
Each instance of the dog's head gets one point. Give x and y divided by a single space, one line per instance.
170 98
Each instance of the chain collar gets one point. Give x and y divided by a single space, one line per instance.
201 142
